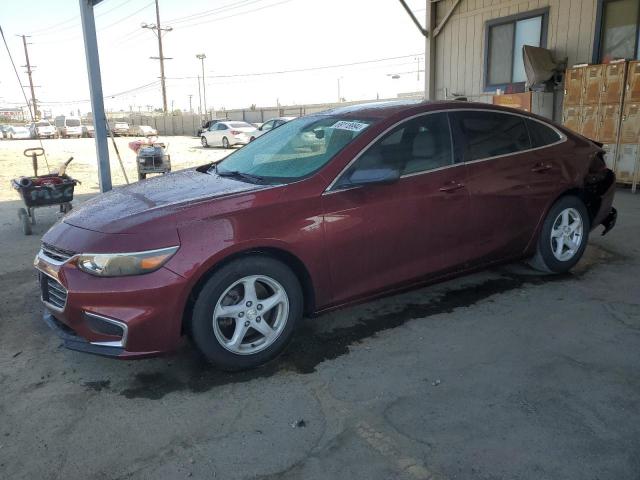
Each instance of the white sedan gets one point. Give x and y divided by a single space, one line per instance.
270 125
228 134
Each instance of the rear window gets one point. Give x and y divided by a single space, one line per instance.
240 125
72 122
541 135
490 134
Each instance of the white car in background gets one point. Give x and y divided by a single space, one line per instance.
227 134
18 133
120 129
43 129
142 131
270 125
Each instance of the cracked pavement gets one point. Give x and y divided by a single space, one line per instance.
503 374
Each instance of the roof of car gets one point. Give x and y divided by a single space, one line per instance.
386 109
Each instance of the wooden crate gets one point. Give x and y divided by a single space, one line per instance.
613 83
590 122
609 123
572 117
593 84
630 123
574 87
633 82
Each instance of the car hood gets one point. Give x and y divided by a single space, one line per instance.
127 209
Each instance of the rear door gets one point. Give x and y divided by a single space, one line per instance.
382 235
509 181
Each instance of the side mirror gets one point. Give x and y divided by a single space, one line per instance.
374 175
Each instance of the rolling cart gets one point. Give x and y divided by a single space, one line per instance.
43 190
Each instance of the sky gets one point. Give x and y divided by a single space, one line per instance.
245 41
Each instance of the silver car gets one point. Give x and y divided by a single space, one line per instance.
227 134
270 125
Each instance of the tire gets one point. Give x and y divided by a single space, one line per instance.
225 142
252 139
213 333
25 221
203 141
142 176
567 221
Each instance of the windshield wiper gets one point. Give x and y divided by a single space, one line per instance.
241 176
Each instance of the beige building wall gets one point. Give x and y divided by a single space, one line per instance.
460 47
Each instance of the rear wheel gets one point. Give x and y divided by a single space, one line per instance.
203 141
246 313
225 142
564 236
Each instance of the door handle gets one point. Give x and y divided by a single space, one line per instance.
541 167
451 187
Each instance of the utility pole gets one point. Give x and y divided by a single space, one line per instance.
199 98
190 109
29 70
158 30
201 57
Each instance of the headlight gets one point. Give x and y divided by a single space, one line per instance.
124 264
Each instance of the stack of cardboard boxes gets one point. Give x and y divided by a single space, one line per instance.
602 102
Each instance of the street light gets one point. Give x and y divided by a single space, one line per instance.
201 57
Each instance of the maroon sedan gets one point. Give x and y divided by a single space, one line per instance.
327 210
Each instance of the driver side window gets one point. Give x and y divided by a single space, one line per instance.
267 126
418 145
221 126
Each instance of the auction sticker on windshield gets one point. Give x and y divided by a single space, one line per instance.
351 126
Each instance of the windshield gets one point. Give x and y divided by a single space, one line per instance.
72 122
295 150
43 124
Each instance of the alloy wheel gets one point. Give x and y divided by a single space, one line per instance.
566 234
251 314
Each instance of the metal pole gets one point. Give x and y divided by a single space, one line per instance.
33 93
159 31
430 52
95 89
190 109
202 56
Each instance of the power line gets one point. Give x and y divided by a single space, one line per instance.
54 29
236 14
205 13
307 69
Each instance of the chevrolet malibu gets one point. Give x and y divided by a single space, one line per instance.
327 210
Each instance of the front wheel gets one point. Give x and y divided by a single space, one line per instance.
203 141
246 313
225 142
564 236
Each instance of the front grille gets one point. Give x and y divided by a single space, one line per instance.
52 291
55 253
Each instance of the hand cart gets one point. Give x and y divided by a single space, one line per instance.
43 190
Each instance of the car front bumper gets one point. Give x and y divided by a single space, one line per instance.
125 317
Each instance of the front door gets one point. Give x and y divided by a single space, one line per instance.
384 235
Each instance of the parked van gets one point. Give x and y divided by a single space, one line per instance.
68 126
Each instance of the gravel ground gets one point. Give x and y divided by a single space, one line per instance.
185 152
503 374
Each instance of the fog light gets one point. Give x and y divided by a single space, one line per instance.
104 325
